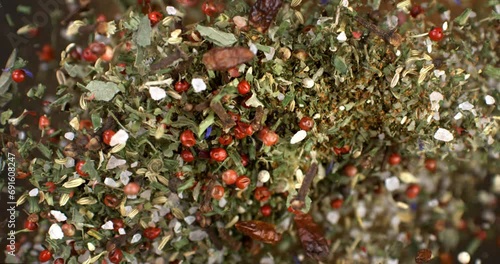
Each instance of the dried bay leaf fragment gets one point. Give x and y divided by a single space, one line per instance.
263 13
310 234
221 59
259 230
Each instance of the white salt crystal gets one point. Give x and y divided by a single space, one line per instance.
264 176
197 235
342 37
33 192
489 99
443 135
120 137
108 225
333 217
114 162
60 217
55 232
135 238
464 257
189 219
198 85
69 136
392 183
110 182
299 136
157 93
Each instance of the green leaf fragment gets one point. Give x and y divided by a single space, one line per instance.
492 71
143 34
340 65
219 38
102 91
208 121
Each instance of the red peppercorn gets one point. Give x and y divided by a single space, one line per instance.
242 182
97 48
245 128
266 210
416 10
43 122
151 232
87 55
262 194
218 154
117 224
115 256
18 75
181 86
59 261
431 165
235 116
187 155
436 34
229 177
481 235
211 8
350 170
239 133
51 186
270 138
412 191
336 203
394 159
225 139
243 87
85 124
45 255
155 17
30 225
110 200
79 170
187 138
306 123
245 160
132 188
217 192
46 54
107 135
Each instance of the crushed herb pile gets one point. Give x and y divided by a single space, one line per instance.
267 132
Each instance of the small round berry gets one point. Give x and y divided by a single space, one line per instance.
218 154
245 160
18 76
45 255
187 155
151 232
97 48
245 128
412 191
394 159
266 210
43 122
181 86
155 17
436 34
336 203
262 194
270 138
234 116
431 165
132 188
416 10
239 133
107 135
117 224
115 256
69 230
87 55
30 225
59 261
225 139
350 170
217 192
243 87
79 170
229 177
306 123
110 200
85 124
187 138
242 182
211 8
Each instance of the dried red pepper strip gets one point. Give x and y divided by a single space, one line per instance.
310 234
221 59
259 230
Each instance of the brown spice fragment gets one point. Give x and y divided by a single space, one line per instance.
263 13
221 59
423 256
390 36
227 121
310 235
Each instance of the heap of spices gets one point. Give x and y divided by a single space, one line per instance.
316 129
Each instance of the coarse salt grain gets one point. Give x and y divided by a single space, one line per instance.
299 136
171 10
464 257
392 183
69 136
489 99
443 135
198 85
108 225
157 93
114 162
110 182
120 137
55 232
136 238
264 176
342 37
60 217
33 192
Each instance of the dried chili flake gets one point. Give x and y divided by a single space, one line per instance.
310 234
221 59
259 230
